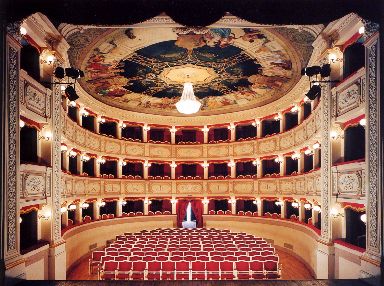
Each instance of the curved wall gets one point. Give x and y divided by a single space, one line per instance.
301 136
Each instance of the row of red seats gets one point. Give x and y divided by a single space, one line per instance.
185 270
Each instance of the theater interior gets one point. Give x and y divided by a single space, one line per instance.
172 141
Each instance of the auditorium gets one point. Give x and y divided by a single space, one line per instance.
172 141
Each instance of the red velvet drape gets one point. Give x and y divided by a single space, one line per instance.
178 171
166 206
197 208
211 205
239 205
181 210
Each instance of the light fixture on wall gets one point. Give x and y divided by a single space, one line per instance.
295 109
147 202
102 204
63 209
122 125
307 206
100 160
173 165
146 128
363 122
317 208
84 112
188 103
316 145
255 202
173 201
23 31
278 160
205 201
21 123
45 214
333 58
205 129
363 218
204 165
85 205
72 153
85 158
122 163
48 57
335 212
231 164
256 162
232 201
47 135
308 152
279 203
63 148
334 135
72 207
231 126
361 30
295 156
123 203
147 164
256 122
295 205
101 120
278 117
173 129
20 220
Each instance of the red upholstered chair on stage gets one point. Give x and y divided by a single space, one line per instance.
242 268
198 270
168 270
154 268
138 270
124 270
213 270
226 270
109 270
257 268
182 270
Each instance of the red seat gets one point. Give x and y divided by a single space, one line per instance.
124 270
95 260
231 258
154 268
217 258
121 258
176 258
138 268
109 270
182 270
198 270
257 268
271 269
168 270
202 258
213 270
135 258
162 258
244 258
226 269
242 268
149 258
190 258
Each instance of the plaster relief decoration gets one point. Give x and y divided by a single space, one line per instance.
268 187
112 147
160 152
134 149
348 99
267 146
81 137
35 186
189 152
79 187
160 187
218 187
143 69
37 101
300 135
189 188
93 187
243 187
93 141
299 186
287 186
218 151
287 140
112 187
243 149
134 187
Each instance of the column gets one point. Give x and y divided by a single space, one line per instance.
316 158
120 168
78 213
174 204
146 128
205 130
96 209
300 114
314 216
301 211
259 169
97 168
282 166
64 218
374 111
259 207
233 205
283 212
173 135
79 116
79 164
96 124
205 204
173 170
119 208
206 173
282 122
232 132
259 128
300 163
66 160
145 172
233 169
146 205
119 129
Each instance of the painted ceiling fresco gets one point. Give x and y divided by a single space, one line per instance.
143 69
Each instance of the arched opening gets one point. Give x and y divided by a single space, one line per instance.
73 165
291 166
218 169
160 135
109 208
160 170
28 230
354 143
28 145
133 169
354 59
73 112
30 60
218 134
270 167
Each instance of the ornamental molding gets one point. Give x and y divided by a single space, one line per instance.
305 134
349 181
35 182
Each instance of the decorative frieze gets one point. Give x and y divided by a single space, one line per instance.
348 180
35 182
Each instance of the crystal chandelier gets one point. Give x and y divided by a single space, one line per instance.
188 103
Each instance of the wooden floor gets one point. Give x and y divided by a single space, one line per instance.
292 269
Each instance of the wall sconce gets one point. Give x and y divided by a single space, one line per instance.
307 206
295 156
204 165
84 113
47 135
173 129
363 122
279 203
335 212
123 203
361 30
63 148
147 164
316 145
334 135
85 206
255 202
122 125
100 160
256 162
173 201
363 218
231 164
63 209
147 202
278 117
49 58
122 163
278 160
231 126
173 165
256 123
205 129
84 158
232 201
295 205
317 208
295 109
146 128
308 152
20 220
205 201
72 154
23 31
72 103
46 215
101 204
72 207
332 57
101 120
306 99
21 123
